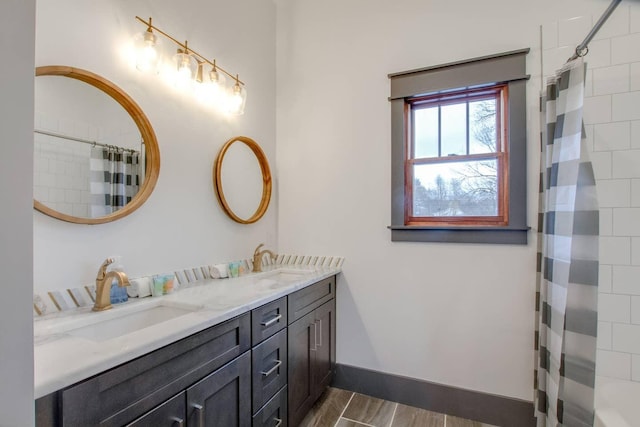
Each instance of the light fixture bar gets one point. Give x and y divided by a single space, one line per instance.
190 50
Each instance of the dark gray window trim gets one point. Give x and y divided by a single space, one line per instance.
508 67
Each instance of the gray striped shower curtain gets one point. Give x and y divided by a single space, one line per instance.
114 180
567 259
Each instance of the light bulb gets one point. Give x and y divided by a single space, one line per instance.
211 88
184 70
237 99
147 55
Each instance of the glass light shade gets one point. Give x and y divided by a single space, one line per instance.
210 89
184 70
237 99
217 78
147 46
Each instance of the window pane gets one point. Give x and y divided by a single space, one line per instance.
456 189
454 129
425 127
482 121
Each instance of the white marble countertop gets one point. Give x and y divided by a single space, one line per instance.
62 357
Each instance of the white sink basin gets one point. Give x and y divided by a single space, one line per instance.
126 324
109 324
281 277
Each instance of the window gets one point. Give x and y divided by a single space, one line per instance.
455 165
458 152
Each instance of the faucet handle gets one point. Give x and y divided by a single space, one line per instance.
103 268
257 251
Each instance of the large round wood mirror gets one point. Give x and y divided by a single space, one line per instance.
96 156
242 180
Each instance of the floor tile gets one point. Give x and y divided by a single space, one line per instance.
370 410
461 422
327 409
407 416
349 423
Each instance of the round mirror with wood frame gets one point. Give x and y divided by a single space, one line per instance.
266 180
152 151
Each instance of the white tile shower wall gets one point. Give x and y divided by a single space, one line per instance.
62 168
612 121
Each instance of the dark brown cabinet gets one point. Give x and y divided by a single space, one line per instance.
311 347
265 368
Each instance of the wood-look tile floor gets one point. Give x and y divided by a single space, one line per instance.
341 408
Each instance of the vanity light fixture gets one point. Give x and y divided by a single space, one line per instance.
189 69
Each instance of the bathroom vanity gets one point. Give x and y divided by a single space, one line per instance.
258 351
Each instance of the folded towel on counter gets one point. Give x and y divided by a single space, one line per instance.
218 271
140 287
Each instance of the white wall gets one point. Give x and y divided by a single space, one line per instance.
612 121
456 314
181 225
16 231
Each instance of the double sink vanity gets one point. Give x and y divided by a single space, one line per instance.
257 350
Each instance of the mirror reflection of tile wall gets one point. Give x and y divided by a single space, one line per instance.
61 173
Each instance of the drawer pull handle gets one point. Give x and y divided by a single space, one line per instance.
320 334
315 336
199 414
177 422
271 321
270 371
278 422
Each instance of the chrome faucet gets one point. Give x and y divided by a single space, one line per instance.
257 258
103 285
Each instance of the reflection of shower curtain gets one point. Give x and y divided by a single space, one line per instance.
115 179
567 280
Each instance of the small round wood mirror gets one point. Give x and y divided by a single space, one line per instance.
96 155
242 180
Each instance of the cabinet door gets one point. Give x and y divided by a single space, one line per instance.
169 414
302 341
325 354
222 398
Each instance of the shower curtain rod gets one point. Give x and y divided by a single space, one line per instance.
582 49
84 141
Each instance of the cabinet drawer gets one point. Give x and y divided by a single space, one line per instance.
308 299
118 396
274 413
269 372
268 319
169 414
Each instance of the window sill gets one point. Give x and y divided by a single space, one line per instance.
508 235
